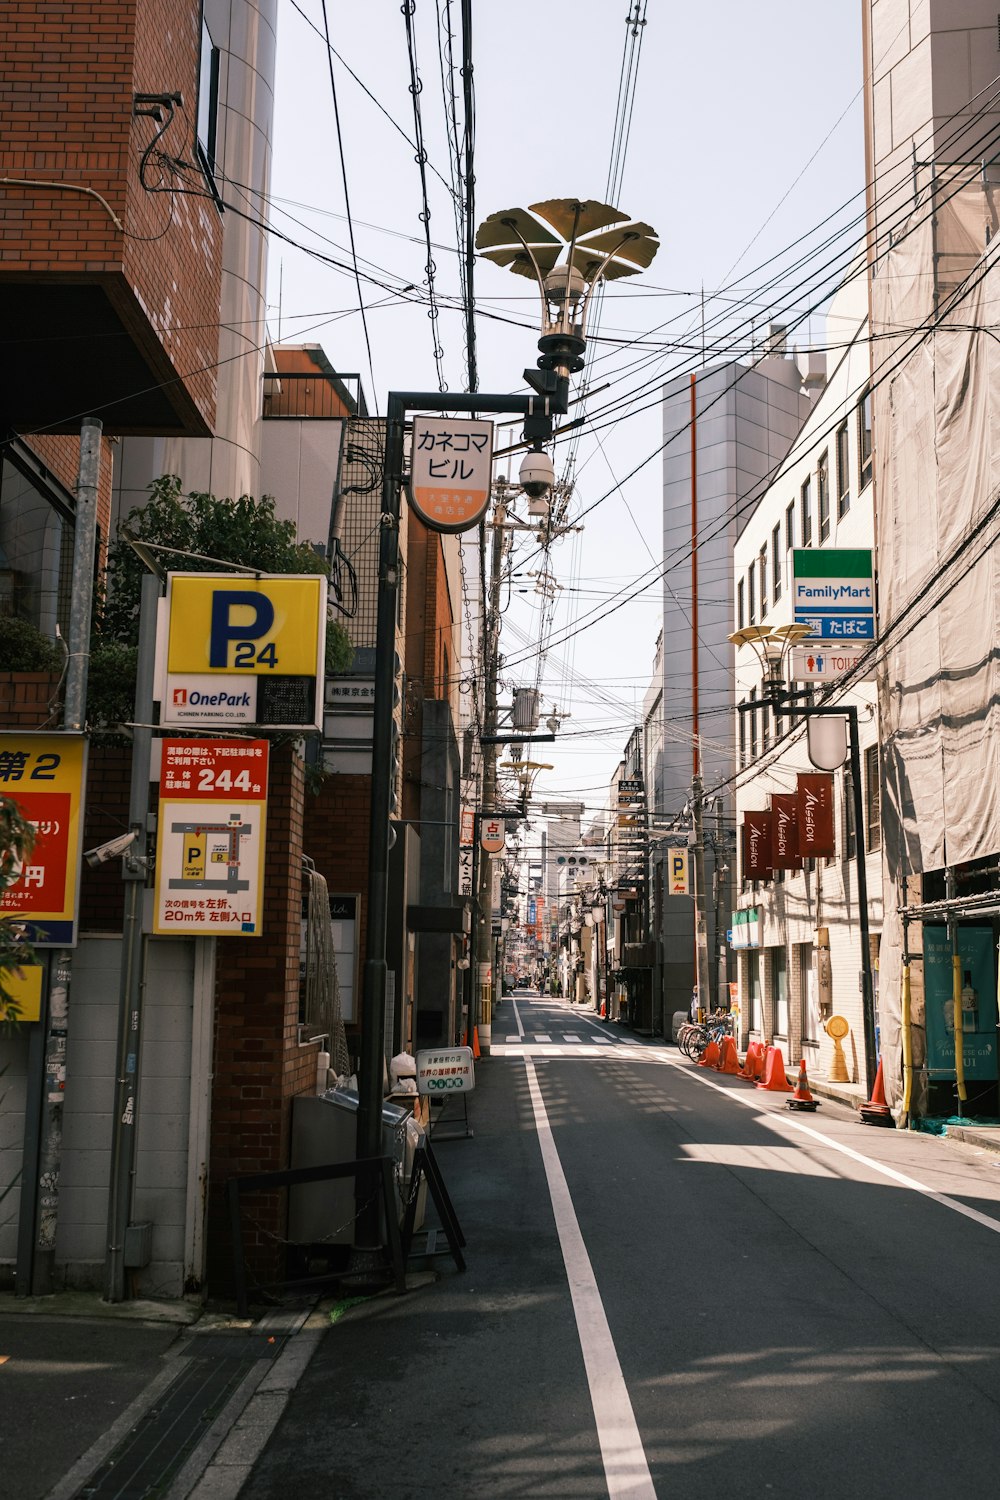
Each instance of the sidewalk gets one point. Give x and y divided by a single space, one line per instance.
142 1395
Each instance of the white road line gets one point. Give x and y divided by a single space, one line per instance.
541 1037
778 1122
517 1020
625 1467
572 1036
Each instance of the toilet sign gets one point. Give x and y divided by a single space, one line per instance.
492 835
677 872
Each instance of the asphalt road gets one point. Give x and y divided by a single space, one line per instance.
675 1287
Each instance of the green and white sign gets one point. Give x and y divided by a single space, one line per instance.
746 927
833 592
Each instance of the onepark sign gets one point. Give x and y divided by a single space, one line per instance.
242 651
833 592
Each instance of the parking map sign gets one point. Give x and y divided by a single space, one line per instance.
833 592
210 838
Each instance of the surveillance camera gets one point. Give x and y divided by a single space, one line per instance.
105 852
536 474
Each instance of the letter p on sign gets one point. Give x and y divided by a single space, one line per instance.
678 872
224 630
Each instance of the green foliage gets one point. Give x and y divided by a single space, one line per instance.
23 648
244 531
17 838
339 651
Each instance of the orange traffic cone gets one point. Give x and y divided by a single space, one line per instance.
710 1057
729 1061
801 1098
475 1041
604 1010
774 1078
876 1111
752 1062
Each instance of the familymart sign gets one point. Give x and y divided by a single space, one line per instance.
833 593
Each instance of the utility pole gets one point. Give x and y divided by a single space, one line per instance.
721 891
700 923
485 979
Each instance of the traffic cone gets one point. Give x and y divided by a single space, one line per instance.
710 1057
774 1078
475 1041
729 1061
752 1062
604 1010
876 1111
801 1098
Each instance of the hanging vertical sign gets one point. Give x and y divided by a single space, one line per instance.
785 831
210 838
678 880
451 468
814 796
757 845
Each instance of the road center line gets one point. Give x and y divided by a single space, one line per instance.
625 1467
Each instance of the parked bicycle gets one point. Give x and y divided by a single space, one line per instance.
694 1036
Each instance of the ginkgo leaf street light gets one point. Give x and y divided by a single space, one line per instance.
566 246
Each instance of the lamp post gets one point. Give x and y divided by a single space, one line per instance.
771 646
598 242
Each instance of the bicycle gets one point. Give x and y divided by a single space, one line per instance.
695 1036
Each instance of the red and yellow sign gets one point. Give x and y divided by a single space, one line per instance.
44 775
210 838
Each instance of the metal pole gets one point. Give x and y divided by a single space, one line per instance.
721 891
700 924
370 1073
867 985
82 596
134 867
484 990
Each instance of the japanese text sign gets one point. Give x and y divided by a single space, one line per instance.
833 593
446 1070
44 775
210 838
492 834
451 469
677 864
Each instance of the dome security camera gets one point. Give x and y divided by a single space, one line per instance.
536 474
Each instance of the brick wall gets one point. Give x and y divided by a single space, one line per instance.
62 456
258 1063
336 837
30 700
69 74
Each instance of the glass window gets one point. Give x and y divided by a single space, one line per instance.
873 800
751 595
762 570
208 106
823 496
741 604
752 716
843 472
848 785
779 989
790 525
805 524
776 562
743 737
865 440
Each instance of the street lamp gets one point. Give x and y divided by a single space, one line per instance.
601 243
829 744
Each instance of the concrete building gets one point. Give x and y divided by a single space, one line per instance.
932 141
725 429
799 957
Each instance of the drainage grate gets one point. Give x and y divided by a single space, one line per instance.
147 1459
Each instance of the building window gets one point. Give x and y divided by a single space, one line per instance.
751 595
873 800
776 562
743 737
823 496
806 523
865 440
762 569
741 604
843 472
752 716
208 108
848 785
790 526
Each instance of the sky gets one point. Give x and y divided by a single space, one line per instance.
745 133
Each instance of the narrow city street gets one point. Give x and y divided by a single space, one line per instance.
675 1287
